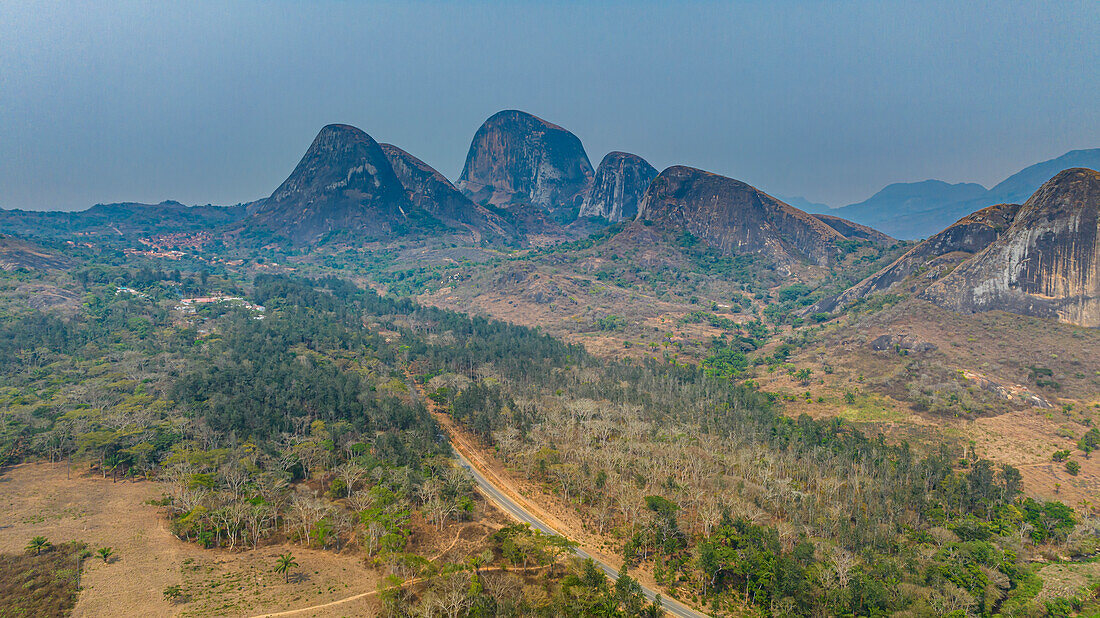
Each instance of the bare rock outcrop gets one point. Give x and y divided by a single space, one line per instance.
16 254
621 180
1046 264
517 157
736 218
965 237
430 191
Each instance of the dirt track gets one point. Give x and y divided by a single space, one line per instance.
38 499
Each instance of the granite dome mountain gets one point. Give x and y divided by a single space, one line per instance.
929 259
734 217
344 184
1046 264
1040 259
620 181
519 158
348 186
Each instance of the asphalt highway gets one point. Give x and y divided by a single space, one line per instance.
516 510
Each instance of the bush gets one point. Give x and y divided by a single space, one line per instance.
173 594
1090 441
611 323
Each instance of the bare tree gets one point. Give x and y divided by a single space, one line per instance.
256 522
506 588
350 473
439 510
453 593
361 500
842 563
375 531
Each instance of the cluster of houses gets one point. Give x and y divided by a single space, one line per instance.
125 290
190 305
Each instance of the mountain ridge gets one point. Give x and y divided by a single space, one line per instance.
735 217
928 207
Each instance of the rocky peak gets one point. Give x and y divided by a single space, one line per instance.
517 157
427 188
621 180
1045 264
932 257
343 183
734 217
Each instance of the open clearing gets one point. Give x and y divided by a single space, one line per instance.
38 499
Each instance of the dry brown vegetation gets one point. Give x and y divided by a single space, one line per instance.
40 499
41 583
975 357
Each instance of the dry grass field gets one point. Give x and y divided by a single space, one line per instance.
39 499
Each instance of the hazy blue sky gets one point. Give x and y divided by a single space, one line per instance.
216 102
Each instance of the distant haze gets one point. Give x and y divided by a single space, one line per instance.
216 102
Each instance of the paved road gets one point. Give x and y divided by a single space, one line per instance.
517 511
672 606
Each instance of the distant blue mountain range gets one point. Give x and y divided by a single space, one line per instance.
911 210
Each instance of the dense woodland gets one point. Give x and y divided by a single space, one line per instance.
295 424
728 501
301 422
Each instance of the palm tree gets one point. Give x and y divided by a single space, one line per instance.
283 565
105 553
37 544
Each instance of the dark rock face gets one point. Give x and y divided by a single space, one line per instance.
431 192
967 235
736 218
900 342
1046 264
427 188
343 183
516 157
855 231
620 181
882 343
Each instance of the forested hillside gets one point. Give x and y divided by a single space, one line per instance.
286 417
729 502
290 414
